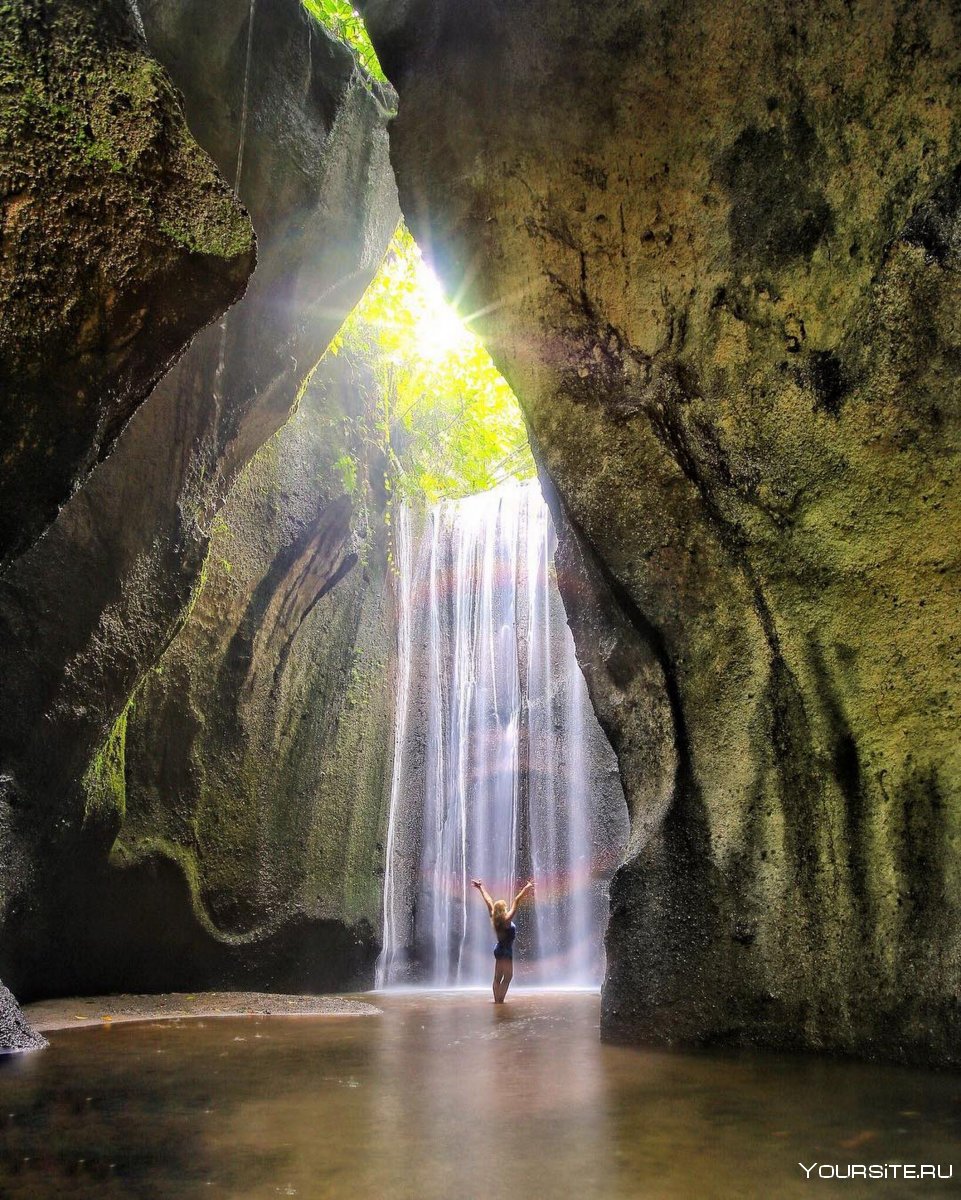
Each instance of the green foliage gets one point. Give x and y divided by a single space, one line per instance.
346 467
451 421
346 23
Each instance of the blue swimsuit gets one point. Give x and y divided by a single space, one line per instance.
505 943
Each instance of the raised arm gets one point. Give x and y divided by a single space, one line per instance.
486 895
528 887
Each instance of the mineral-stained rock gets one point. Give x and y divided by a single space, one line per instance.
118 241
716 252
91 608
15 1033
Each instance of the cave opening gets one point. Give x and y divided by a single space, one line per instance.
446 420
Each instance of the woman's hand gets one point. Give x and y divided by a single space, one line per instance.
529 886
477 884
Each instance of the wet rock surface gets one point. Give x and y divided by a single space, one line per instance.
120 241
713 251
15 1033
286 114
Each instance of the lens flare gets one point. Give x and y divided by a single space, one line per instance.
437 329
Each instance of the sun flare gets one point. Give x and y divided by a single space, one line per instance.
438 332
456 426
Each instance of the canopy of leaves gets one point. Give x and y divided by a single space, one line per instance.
344 22
450 418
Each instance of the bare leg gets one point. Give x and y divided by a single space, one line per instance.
503 974
507 974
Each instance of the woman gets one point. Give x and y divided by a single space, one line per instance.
502 918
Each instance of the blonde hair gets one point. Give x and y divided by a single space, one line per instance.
499 914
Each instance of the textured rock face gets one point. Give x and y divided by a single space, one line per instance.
15 1033
717 250
254 761
120 240
93 606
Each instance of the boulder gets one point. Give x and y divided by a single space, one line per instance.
15 1034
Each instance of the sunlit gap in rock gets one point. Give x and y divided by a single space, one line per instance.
500 768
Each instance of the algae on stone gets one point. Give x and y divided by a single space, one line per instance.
258 755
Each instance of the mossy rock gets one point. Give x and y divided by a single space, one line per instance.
121 240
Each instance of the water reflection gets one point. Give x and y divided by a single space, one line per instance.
447 1095
494 1092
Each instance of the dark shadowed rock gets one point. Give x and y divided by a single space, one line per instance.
716 252
15 1033
91 609
253 764
120 240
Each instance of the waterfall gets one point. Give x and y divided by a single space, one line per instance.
138 20
245 99
500 769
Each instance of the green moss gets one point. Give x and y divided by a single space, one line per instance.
199 586
221 234
137 850
118 114
105 780
346 467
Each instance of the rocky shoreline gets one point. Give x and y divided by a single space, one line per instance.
69 1013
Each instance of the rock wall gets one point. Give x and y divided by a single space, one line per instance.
284 111
716 253
254 761
119 241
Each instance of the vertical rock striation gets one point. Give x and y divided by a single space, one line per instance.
287 115
715 251
257 754
118 241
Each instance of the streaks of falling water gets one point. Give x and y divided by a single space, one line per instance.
218 381
138 19
245 100
402 561
496 750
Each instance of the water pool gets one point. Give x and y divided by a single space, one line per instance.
445 1095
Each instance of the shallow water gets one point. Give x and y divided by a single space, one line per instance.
446 1095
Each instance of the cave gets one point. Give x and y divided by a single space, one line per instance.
624 558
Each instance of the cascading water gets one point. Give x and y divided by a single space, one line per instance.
500 769
218 383
138 20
